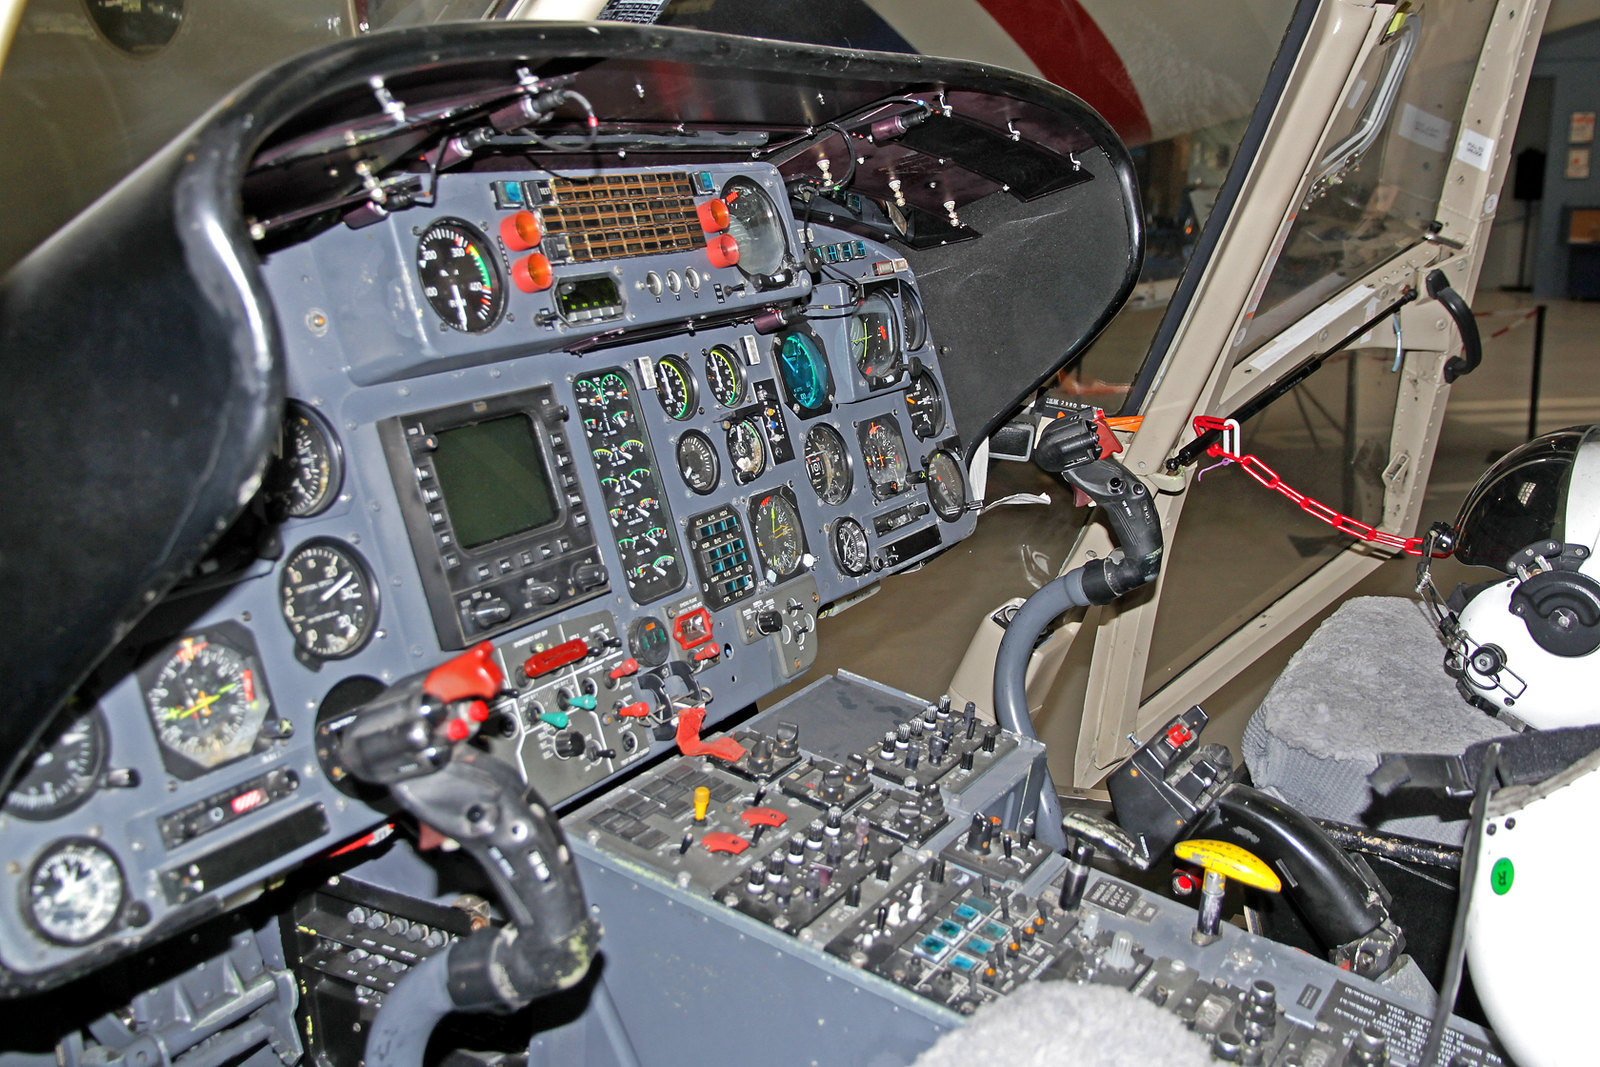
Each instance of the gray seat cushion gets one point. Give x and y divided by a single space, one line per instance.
1368 681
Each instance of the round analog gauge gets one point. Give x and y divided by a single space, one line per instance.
804 370
875 341
779 540
926 405
305 477
64 770
675 388
649 641
884 451
207 701
828 464
947 490
459 276
138 29
747 449
725 375
698 465
328 599
850 549
914 322
754 223
75 892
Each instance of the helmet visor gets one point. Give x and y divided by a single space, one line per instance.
1519 500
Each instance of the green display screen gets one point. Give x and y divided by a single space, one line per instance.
493 480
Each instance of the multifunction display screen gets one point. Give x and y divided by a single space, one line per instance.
493 480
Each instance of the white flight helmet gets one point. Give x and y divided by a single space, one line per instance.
1528 646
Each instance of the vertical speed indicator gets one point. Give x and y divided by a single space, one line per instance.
459 276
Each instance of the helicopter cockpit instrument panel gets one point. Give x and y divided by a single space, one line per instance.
632 399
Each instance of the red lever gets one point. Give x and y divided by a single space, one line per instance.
722 841
1109 445
552 658
625 668
636 710
474 673
689 722
1179 735
762 817
708 652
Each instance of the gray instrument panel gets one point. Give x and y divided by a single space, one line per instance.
212 784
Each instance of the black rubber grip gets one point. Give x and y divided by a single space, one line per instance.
1471 345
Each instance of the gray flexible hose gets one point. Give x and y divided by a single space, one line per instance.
412 1009
1011 683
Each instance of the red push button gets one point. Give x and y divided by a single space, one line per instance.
1179 735
457 730
762 817
721 841
625 668
722 250
533 273
713 216
521 231
553 658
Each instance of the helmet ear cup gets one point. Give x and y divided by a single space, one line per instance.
1561 610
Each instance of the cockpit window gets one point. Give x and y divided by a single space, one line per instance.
1376 193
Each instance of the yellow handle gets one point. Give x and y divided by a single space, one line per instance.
1230 860
702 801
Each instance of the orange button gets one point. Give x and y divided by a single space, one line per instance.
521 231
533 273
713 216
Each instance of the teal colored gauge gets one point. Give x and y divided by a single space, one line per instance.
805 371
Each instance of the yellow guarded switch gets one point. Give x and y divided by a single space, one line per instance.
1228 859
702 801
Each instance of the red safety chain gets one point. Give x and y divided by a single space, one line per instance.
1315 508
